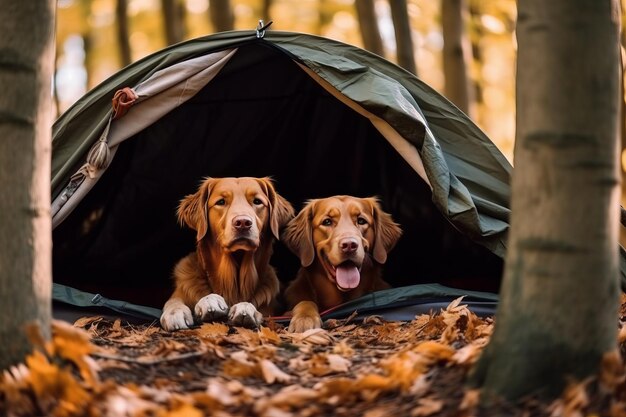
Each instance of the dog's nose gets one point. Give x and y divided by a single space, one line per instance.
348 245
242 223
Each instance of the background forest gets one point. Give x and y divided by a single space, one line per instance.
89 49
94 40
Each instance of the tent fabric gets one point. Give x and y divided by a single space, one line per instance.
319 116
165 90
402 303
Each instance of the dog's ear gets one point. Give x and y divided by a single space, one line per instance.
387 232
192 210
298 235
281 211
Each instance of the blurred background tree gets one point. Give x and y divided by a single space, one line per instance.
465 49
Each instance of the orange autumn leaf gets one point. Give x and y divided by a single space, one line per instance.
268 335
74 344
83 322
56 389
212 330
184 410
376 382
434 350
238 365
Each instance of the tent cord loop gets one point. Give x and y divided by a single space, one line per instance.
98 156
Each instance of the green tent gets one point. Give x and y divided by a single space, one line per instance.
319 116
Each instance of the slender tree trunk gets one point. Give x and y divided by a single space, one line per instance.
123 33
85 6
26 65
173 18
368 22
404 41
456 54
265 11
558 311
222 16
622 117
325 17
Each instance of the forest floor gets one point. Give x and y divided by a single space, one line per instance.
371 368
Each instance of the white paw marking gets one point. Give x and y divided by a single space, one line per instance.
211 307
176 315
245 314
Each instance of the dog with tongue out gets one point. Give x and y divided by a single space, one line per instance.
342 242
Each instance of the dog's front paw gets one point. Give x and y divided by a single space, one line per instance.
176 316
211 307
300 324
305 317
245 315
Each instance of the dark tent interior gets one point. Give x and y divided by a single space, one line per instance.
261 116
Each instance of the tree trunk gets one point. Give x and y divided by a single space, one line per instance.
26 65
558 310
85 7
404 42
222 16
265 10
622 117
366 13
456 54
173 18
122 32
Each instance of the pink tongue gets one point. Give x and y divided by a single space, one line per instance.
347 276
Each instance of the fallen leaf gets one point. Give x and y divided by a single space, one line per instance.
467 355
212 330
86 321
427 407
314 337
343 348
271 373
275 412
337 363
290 396
218 390
612 370
470 400
268 335
184 410
434 350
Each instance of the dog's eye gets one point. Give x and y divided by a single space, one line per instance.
220 202
327 222
257 201
361 220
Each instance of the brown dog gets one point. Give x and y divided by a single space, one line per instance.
342 242
237 220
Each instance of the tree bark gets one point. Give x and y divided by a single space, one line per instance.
26 65
173 19
222 16
368 22
404 41
122 32
456 55
559 301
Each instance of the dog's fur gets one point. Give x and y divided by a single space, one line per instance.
342 243
237 220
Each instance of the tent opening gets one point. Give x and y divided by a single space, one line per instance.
262 115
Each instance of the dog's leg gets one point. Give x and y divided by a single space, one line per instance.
211 307
176 315
306 316
246 315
